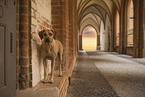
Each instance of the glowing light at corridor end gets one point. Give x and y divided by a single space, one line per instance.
89 39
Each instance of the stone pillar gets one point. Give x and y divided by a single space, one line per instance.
98 42
71 29
112 36
60 23
138 30
122 46
18 66
76 27
144 28
80 42
24 44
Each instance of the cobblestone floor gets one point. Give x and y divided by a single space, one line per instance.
87 81
138 60
102 74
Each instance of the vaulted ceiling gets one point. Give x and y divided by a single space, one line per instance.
92 12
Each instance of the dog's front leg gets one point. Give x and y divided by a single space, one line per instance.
45 70
51 81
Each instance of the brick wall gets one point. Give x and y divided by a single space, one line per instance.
23 59
64 22
76 27
32 17
60 23
71 28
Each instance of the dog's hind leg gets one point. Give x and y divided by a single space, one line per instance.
60 63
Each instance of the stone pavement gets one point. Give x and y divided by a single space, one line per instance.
103 74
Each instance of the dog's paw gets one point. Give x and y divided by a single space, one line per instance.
51 82
44 81
60 75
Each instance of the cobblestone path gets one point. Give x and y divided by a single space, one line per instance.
87 81
102 74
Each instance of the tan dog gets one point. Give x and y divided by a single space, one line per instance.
50 48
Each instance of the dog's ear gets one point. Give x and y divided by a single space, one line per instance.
54 33
41 34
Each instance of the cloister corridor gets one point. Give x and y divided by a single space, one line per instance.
72 48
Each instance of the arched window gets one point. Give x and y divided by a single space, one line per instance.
117 28
89 39
130 23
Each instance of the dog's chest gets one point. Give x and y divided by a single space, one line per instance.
49 51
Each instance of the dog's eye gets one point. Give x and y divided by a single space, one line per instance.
50 34
44 34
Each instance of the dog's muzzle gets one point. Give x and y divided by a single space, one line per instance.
47 40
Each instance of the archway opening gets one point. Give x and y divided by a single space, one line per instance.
89 39
130 23
117 28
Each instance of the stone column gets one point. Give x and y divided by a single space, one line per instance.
80 42
98 42
24 44
60 23
138 30
71 29
18 66
112 36
144 27
122 46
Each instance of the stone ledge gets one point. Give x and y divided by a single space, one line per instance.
45 92
58 89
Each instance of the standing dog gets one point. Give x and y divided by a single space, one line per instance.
50 48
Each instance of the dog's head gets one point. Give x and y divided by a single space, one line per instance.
47 35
